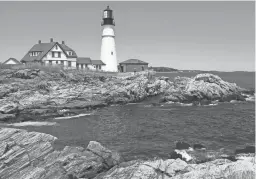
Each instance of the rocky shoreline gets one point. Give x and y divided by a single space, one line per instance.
32 94
30 155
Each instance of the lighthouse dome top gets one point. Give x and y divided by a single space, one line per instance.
107 9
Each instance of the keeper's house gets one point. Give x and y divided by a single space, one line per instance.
54 53
132 65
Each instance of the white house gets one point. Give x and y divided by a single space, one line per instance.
54 53
11 61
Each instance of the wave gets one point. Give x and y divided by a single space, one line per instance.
75 116
32 123
212 104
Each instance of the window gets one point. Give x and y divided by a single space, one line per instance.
82 66
111 53
86 65
69 53
50 62
77 66
56 62
34 53
105 15
56 47
59 54
62 62
100 67
53 54
69 64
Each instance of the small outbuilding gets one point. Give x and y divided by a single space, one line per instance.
12 61
132 65
88 63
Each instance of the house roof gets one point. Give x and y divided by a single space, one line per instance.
84 60
88 60
45 48
97 62
134 61
14 59
66 48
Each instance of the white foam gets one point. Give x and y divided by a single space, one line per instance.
183 104
32 123
215 104
251 98
69 117
169 102
184 154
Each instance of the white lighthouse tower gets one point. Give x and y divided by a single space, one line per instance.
108 46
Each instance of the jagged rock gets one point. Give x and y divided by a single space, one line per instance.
110 157
219 169
182 145
31 155
198 146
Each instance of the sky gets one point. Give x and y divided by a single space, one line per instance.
200 35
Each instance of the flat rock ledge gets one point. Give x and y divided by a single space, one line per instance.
30 155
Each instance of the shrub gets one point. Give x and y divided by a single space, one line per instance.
43 85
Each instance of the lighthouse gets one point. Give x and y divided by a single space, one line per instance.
108 46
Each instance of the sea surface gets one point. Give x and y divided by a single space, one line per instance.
141 130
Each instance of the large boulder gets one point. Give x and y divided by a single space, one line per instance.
203 88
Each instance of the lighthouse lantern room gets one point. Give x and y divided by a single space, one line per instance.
108 47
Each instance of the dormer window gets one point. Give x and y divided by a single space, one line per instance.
56 47
70 53
34 53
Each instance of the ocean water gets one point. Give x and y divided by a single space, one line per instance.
140 130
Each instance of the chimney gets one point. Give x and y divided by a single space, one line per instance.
51 39
63 42
39 41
